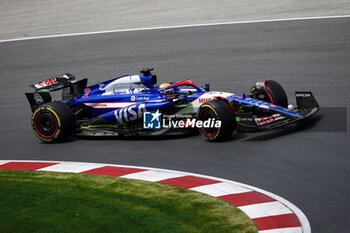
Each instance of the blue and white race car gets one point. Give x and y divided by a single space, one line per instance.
135 105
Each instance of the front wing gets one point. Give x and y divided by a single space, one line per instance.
278 117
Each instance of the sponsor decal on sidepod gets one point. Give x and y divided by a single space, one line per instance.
130 113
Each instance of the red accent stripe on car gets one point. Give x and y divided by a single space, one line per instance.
188 181
267 91
113 171
25 165
248 198
276 222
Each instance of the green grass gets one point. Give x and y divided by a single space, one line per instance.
65 202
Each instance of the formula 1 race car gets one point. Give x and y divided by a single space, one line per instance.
135 105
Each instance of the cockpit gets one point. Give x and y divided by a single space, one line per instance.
125 88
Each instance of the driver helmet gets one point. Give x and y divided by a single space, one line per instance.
163 85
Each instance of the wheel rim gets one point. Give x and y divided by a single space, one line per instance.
204 115
46 124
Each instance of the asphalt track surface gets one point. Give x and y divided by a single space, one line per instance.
51 17
306 164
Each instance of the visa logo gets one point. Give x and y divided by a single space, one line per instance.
131 113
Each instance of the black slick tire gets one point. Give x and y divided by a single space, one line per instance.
276 93
217 110
53 122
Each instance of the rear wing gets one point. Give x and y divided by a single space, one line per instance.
54 84
72 89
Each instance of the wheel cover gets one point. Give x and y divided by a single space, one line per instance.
45 124
204 115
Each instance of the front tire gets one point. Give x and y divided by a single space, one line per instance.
276 93
53 122
270 91
217 110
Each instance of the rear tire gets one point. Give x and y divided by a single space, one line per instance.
53 122
218 110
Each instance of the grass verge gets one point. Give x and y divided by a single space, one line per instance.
65 202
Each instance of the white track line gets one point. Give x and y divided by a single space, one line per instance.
4 161
176 26
153 176
265 209
69 167
285 230
220 189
